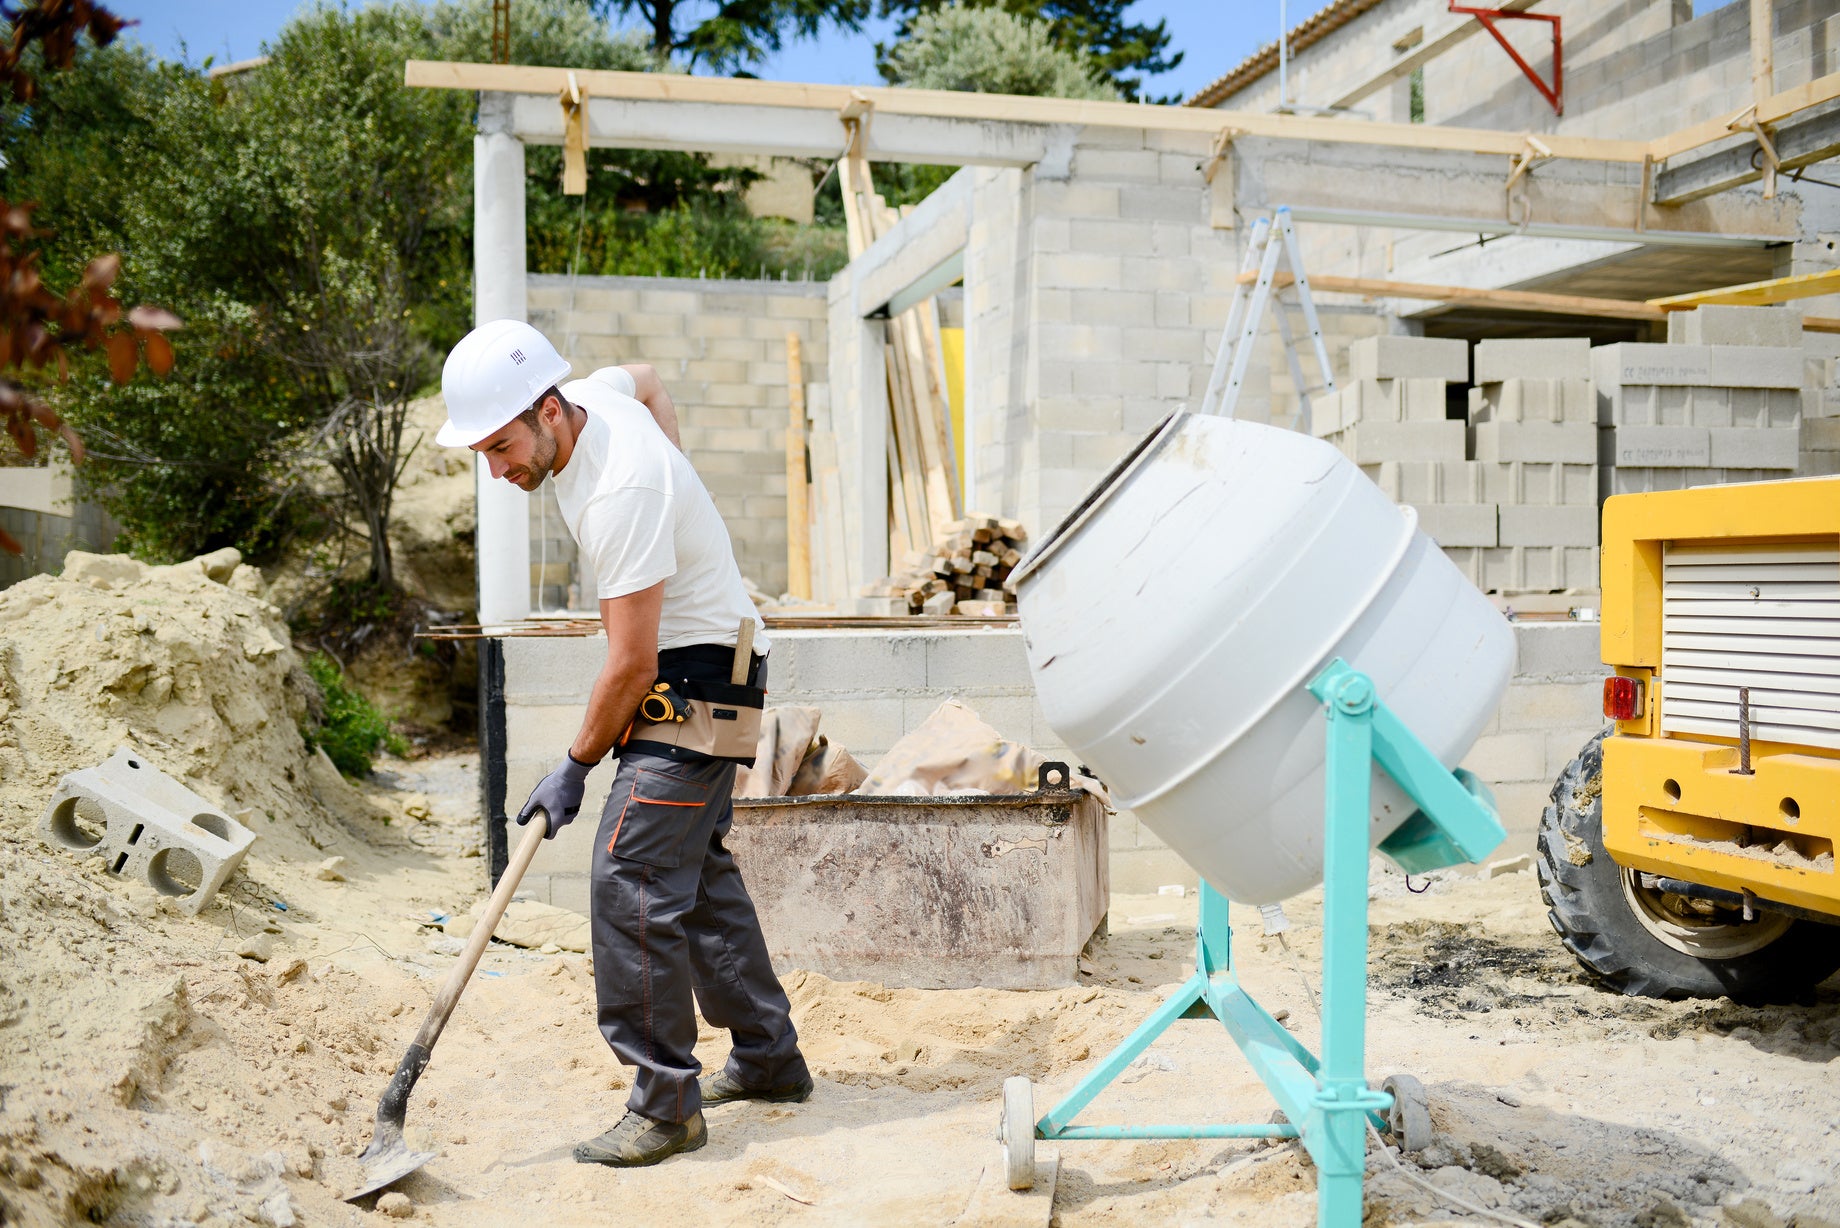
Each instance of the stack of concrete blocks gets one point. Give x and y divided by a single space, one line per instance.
1388 417
1820 405
1391 420
1533 444
1722 402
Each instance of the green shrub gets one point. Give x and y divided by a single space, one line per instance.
353 729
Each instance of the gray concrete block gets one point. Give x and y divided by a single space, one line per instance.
1779 326
1424 482
1419 400
1821 434
1755 447
1458 524
1543 706
1326 413
552 669
1532 359
1372 442
1652 447
847 663
982 659
1501 442
1538 483
1504 757
1716 366
1396 357
1554 652
141 823
1522 525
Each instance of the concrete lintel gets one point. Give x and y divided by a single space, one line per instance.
1801 143
927 238
787 132
1445 190
1509 262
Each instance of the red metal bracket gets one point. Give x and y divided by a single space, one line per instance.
1554 93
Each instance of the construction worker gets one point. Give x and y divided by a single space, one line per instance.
671 917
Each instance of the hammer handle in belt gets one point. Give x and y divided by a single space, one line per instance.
744 653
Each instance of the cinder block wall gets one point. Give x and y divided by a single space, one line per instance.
1633 68
1095 291
721 348
874 686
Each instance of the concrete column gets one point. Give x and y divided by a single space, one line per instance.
499 293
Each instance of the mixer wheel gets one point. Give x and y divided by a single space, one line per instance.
1409 1120
1018 1132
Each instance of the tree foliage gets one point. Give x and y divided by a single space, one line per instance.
990 51
39 326
1125 52
311 221
739 32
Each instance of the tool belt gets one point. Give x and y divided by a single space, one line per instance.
704 714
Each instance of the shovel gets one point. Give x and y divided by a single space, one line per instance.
388 1158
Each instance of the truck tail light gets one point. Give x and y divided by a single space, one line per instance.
1622 698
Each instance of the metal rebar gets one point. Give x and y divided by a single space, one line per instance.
1744 732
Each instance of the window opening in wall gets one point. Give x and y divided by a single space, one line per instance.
1416 107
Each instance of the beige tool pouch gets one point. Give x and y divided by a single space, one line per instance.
724 727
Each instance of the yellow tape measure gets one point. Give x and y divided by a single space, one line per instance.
662 705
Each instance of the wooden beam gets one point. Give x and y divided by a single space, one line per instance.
1504 300
1771 110
1798 143
798 503
996 108
1421 55
1756 293
984 111
1820 324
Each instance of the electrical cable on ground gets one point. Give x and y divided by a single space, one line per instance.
1455 1200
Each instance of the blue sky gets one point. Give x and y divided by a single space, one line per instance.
1216 34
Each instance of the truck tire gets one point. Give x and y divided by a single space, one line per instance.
1640 941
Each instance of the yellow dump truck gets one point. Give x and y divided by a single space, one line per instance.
1688 850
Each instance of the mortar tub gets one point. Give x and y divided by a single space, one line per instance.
1173 620
985 891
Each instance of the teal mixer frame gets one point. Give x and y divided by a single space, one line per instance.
1326 1102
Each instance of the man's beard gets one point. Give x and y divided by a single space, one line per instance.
542 458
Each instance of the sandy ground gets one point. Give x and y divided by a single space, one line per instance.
154 1076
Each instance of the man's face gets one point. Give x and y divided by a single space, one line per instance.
520 454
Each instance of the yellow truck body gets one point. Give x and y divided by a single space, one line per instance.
1707 591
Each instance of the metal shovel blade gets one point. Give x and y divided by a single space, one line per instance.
388 1158
386 1161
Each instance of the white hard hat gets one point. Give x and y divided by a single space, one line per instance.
496 373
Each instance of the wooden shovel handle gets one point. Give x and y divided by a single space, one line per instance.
482 932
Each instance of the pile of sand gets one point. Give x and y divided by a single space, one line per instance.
127 1083
187 663
432 516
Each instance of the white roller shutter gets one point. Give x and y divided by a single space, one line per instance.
1759 616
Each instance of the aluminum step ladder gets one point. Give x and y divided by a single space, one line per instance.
1271 237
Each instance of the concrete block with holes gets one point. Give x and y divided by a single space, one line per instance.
146 825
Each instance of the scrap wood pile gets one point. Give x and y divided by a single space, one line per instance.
962 574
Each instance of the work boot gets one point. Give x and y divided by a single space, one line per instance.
638 1141
722 1087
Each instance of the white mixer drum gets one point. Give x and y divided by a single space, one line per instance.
1174 619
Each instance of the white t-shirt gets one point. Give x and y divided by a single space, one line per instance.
640 515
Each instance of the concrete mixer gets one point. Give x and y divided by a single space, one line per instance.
1276 672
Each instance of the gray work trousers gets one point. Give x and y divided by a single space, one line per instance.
672 918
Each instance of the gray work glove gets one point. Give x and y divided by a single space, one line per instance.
558 795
